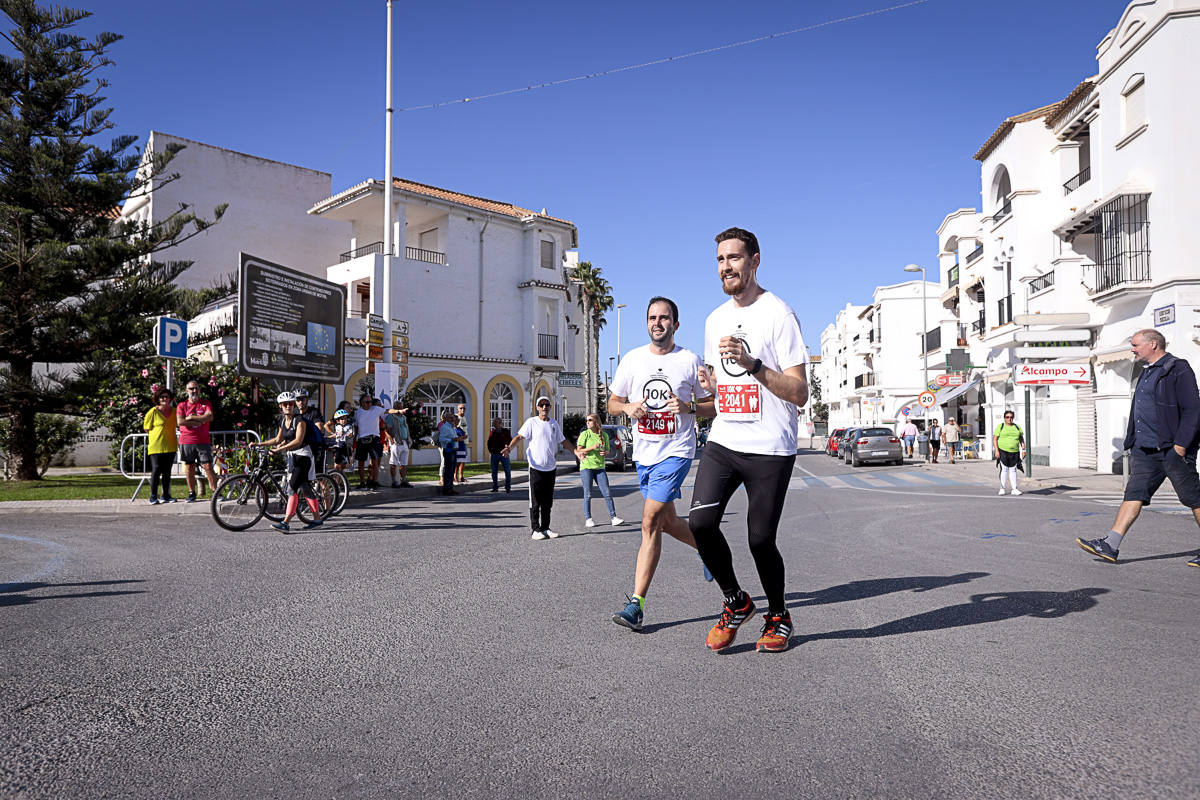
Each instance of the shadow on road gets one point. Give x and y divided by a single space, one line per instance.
860 590
12 594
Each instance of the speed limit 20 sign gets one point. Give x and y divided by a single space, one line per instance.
927 399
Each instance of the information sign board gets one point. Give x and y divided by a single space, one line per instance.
290 324
570 379
1052 374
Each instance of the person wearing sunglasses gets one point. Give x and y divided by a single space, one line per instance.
1008 443
544 436
159 424
295 439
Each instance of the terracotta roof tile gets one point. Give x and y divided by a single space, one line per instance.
482 203
1010 123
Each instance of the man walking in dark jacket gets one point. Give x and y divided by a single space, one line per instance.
1162 438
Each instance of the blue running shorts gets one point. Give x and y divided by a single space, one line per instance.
661 481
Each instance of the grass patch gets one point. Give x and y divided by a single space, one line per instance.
114 486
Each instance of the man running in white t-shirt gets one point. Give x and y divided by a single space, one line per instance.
759 380
544 436
663 379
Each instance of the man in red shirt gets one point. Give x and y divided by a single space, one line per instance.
194 414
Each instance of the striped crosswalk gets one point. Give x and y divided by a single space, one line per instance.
888 480
1163 505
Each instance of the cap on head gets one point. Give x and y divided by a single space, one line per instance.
542 399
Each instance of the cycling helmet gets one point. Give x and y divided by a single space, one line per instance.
341 412
285 397
301 392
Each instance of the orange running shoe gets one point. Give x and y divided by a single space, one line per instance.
776 633
722 634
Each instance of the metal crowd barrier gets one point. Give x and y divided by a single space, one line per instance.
134 461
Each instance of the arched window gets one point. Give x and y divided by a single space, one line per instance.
1133 98
439 395
502 403
1001 189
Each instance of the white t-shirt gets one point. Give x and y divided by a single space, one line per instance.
541 442
749 418
367 421
644 375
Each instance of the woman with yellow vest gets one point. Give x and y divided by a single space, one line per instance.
1008 443
159 423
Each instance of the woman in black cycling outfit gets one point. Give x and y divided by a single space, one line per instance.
293 439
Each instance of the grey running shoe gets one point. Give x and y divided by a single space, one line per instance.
1099 548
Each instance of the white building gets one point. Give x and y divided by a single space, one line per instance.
874 357
1069 192
482 286
482 283
267 212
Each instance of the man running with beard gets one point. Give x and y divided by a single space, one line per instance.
759 380
664 379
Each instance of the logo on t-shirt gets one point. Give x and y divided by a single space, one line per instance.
730 365
657 391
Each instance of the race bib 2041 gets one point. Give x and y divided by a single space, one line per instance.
739 402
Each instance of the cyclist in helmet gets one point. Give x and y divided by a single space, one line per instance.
293 439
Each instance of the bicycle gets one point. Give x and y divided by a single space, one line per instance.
339 479
242 500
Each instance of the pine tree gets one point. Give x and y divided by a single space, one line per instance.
77 284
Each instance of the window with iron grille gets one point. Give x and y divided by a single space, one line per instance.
1123 248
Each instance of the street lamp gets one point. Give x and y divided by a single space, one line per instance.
924 332
619 307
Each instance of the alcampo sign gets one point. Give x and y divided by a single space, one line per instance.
1052 374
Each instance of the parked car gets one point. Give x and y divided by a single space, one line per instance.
878 445
831 444
620 454
844 442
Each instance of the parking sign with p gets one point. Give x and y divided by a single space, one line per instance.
170 337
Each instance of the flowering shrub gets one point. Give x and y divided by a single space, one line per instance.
124 396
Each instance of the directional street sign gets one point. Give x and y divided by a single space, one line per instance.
1052 374
1052 319
1052 352
170 337
1073 335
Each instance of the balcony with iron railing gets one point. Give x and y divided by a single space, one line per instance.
411 253
865 380
547 345
975 254
1003 211
979 326
1004 310
1078 180
1040 283
1110 276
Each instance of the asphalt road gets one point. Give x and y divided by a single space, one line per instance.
949 643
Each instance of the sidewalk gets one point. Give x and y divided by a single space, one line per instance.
984 472
421 490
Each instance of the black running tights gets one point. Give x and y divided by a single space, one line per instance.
721 472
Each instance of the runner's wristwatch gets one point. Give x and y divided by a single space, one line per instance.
757 366
692 406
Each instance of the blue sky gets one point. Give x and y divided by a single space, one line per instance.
841 148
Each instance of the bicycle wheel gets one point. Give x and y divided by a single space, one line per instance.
325 491
275 506
343 488
238 502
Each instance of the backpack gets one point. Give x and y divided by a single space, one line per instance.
314 433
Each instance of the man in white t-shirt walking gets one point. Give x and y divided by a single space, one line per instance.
758 380
658 386
544 436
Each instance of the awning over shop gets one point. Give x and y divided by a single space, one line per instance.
946 395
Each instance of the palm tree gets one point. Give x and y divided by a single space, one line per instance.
594 297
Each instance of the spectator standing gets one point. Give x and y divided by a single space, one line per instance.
368 447
909 434
952 437
447 438
498 439
464 433
398 445
590 449
935 439
159 423
1008 443
193 417
544 436
1162 437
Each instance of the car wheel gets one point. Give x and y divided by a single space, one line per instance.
854 462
